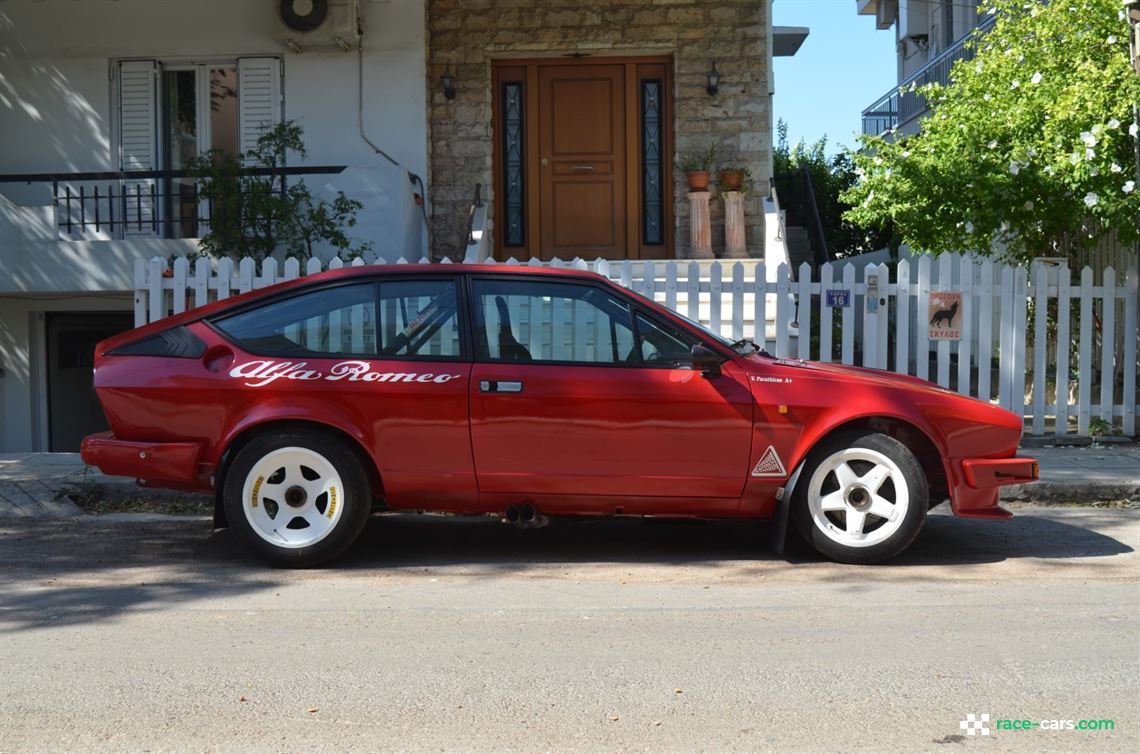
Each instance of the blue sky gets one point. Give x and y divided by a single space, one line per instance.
844 65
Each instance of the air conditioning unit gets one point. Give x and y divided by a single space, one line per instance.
317 24
885 13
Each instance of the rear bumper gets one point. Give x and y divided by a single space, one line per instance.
158 464
975 482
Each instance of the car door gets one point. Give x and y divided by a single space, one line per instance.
575 392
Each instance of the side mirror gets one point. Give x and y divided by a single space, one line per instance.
706 360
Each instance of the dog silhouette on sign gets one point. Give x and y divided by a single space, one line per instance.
944 315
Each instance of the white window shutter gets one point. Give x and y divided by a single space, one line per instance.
138 143
259 98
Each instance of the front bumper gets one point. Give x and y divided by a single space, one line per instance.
173 464
975 482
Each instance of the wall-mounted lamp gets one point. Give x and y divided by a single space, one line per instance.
448 81
714 80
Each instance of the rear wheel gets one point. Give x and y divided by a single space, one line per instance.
862 498
297 498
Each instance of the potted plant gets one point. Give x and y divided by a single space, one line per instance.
734 179
697 164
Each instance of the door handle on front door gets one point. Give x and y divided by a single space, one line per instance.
500 386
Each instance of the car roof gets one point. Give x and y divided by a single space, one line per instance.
345 273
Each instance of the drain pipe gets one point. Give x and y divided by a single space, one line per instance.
415 179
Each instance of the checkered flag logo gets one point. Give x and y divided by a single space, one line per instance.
976 724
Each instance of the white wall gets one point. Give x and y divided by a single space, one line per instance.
55 99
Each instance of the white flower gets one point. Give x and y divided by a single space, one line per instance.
1037 78
1111 39
1095 172
1088 138
1014 168
1090 153
1004 226
1015 84
1114 123
1129 187
1074 158
1049 170
978 66
1091 199
987 96
1115 168
969 227
878 160
992 144
1029 206
1134 129
1031 152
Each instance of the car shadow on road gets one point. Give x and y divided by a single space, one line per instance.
426 541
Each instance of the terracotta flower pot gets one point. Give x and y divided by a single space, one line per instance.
731 180
698 180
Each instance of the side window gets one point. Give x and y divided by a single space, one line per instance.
521 320
334 321
659 345
419 319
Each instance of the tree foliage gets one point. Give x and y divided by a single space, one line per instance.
258 215
830 178
1029 151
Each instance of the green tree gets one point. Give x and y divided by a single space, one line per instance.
1029 151
830 178
257 215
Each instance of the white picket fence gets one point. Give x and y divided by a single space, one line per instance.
1063 355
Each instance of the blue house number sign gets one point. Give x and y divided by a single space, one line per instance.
838 297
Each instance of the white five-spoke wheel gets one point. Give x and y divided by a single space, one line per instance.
292 497
862 498
297 498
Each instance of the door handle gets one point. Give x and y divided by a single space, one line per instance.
500 386
581 168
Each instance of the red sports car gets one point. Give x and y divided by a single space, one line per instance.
526 393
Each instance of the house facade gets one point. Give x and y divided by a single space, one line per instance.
568 117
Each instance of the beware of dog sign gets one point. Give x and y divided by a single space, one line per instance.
945 315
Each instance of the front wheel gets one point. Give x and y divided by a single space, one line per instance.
296 498
862 498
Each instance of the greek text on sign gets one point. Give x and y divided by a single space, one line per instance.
838 297
945 315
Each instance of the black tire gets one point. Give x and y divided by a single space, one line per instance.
356 500
906 527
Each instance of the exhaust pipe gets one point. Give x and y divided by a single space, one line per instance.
532 518
512 515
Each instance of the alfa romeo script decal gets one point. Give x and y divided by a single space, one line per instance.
262 373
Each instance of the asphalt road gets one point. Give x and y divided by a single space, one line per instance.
439 634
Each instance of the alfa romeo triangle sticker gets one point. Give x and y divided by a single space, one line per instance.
770 464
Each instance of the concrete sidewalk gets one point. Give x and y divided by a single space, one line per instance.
36 484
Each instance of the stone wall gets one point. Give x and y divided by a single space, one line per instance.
468 34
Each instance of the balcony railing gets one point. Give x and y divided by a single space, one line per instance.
138 203
900 106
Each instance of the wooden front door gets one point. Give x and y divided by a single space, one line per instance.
583 159
582 170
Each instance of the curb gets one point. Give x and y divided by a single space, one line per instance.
1071 493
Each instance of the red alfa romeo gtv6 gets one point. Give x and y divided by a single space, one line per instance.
526 393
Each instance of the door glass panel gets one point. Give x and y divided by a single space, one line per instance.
662 346
528 321
513 163
653 207
419 318
224 111
332 321
180 145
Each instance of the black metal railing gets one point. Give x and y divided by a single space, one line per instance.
798 200
155 203
903 104
476 204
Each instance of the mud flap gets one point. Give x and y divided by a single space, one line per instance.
783 512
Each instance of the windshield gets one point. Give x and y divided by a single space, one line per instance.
744 347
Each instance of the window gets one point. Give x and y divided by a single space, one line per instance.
335 321
518 320
419 319
662 346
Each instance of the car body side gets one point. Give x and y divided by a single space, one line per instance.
665 442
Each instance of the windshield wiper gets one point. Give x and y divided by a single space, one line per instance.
749 342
